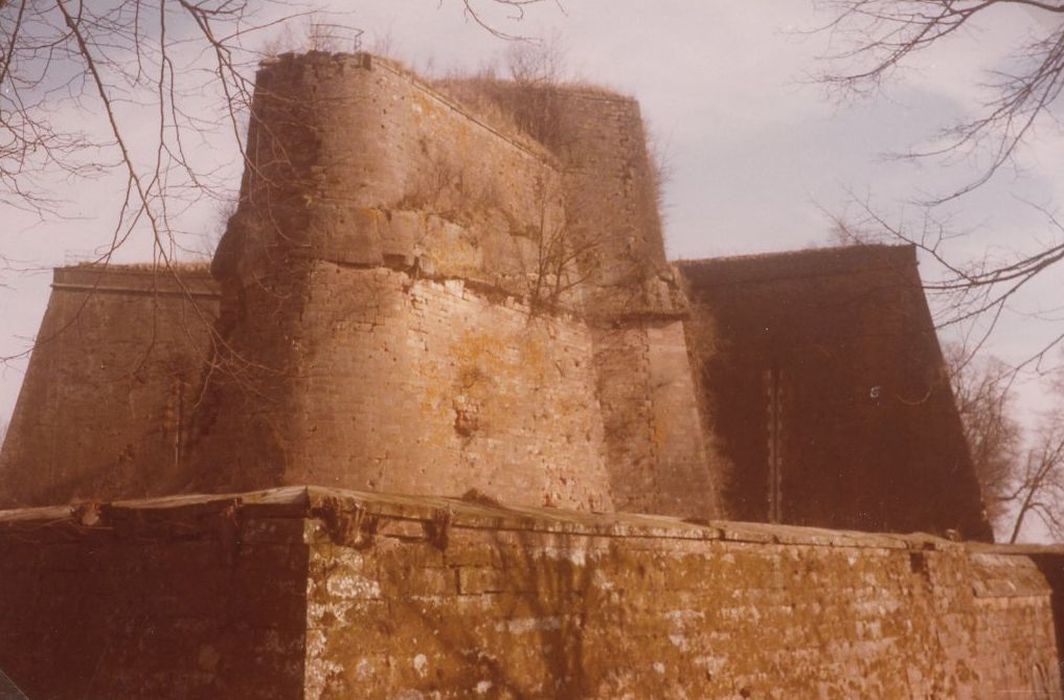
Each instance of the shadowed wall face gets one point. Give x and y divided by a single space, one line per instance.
319 594
829 393
193 601
107 402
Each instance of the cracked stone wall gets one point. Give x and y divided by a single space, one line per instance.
383 382
316 593
381 287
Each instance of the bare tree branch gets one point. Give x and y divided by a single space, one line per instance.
879 37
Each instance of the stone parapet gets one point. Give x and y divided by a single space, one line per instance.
319 593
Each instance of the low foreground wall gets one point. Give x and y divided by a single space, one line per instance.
311 593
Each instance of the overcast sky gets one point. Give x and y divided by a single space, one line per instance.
756 152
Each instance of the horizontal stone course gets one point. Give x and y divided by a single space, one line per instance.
306 592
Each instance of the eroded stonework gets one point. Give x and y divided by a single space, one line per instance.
415 295
317 593
426 291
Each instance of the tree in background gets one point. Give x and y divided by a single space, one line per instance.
1021 477
1039 484
981 389
153 94
880 36
144 90
79 82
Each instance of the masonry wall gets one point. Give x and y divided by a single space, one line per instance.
363 174
659 459
526 614
657 454
357 161
611 192
383 382
317 593
610 185
654 439
866 433
111 386
181 601
377 281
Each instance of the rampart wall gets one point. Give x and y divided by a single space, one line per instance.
656 451
356 161
315 593
370 189
610 187
112 384
826 387
387 383
392 318
655 445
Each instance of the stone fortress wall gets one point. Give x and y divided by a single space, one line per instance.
382 323
386 267
865 435
315 594
392 316
107 403
387 313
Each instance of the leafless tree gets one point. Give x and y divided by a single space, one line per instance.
174 68
881 35
878 37
474 9
1038 488
149 92
982 390
1021 476
563 259
79 82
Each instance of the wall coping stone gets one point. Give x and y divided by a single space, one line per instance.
181 279
339 507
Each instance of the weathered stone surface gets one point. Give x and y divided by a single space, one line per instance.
315 593
382 382
384 285
104 411
378 320
386 321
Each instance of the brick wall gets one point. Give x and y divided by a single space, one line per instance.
361 166
372 379
300 593
111 387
